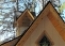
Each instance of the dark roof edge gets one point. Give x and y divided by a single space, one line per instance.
10 41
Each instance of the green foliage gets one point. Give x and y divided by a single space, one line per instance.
62 7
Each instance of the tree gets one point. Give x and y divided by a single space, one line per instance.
62 7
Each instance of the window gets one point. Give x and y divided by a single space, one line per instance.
44 42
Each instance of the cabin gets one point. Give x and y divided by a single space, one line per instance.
48 29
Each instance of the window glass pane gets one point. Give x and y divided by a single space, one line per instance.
44 42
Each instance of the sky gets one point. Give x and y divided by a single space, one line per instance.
62 1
